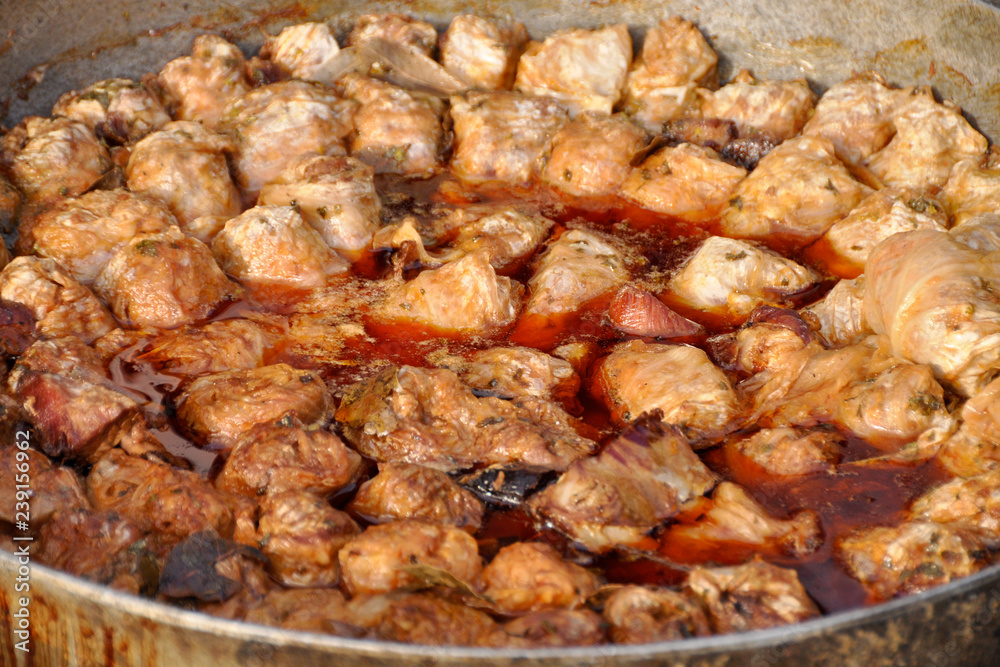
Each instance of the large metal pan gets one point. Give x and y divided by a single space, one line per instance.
953 45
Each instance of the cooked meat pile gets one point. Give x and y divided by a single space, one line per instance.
476 338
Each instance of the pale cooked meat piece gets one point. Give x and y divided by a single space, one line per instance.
789 451
396 131
970 505
305 609
227 345
675 58
931 296
52 488
378 560
335 195
301 534
218 408
49 158
575 269
406 491
430 417
273 245
160 499
775 109
516 371
163 280
798 190
60 305
184 166
110 556
909 558
639 313
971 190
583 69
273 125
733 517
423 618
856 115
591 155
532 576
679 380
501 136
397 28
685 181
753 596
300 49
83 233
286 455
733 277
67 355
981 232
639 615
481 52
840 315
203 84
769 337
638 481
879 215
465 297
509 235
975 448
558 627
121 111
930 139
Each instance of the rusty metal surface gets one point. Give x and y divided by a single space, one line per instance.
953 45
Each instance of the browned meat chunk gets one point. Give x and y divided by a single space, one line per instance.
640 615
120 111
397 28
184 166
273 457
50 488
686 181
675 58
168 502
405 491
272 246
204 83
464 298
583 69
558 627
503 136
427 619
53 158
637 481
481 52
82 234
797 191
396 131
335 195
300 533
971 191
108 556
273 125
430 417
909 558
301 49
591 155
775 109
531 576
218 408
228 345
733 517
61 306
10 203
305 609
517 371
754 596
789 451
163 280
975 448
678 380
969 505
381 558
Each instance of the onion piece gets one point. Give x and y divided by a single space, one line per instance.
637 312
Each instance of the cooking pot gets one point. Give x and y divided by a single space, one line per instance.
954 45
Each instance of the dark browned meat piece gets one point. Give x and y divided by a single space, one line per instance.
306 609
511 236
285 455
638 481
405 491
120 111
218 408
639 615
430 417
52 488
558 627
422 618
532 576
507 372
10 205
203 84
